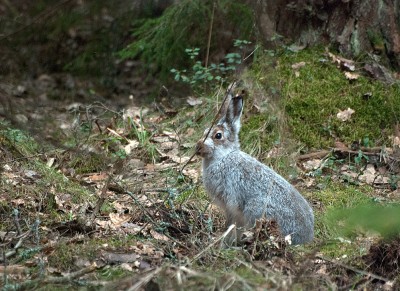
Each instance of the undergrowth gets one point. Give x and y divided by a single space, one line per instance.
162 41
313 97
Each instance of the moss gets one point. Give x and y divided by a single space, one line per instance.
87 163
259 132
376 40
65 254
340 195
314 97
249 275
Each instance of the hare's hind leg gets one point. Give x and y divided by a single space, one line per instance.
234 236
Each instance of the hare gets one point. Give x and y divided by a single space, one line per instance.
245 188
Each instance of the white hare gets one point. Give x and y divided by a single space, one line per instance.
245 188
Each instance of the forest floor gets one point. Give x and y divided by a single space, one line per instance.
99 189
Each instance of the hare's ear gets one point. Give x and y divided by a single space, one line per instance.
224 109
234 112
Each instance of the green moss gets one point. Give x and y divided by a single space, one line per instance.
376 40
87 163
250 276
259 132
340 195
313 98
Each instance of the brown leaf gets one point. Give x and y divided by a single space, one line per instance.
193 101
345 114
299 65
118 219
351 76
158 236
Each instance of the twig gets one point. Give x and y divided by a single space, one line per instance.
210 33
314 155
21 238
232 226
57 280
145 279
102 198
320 154
149 216
16 221
250 54
364 273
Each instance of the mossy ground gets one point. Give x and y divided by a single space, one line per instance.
312 98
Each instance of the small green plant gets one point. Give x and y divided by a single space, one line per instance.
360 156
213 74
144 136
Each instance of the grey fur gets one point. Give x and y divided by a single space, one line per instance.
247 189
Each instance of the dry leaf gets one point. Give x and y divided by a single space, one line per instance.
299 65
158 236
179 160
369 174
132 144
345 114
312 164
342 63
50 162
192 174
97 177
351 76
193 101
118 219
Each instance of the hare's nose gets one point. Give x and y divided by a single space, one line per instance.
198 147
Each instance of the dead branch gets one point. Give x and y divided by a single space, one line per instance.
57 280
323 153
223 236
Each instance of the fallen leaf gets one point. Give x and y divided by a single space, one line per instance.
368 175
50 162
193 101
132 144
118 219
342 63
299 65
312 164
158 236
345 114
126 267
351 76
7 168
192 174
97 177
296 48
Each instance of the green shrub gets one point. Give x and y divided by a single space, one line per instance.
162 41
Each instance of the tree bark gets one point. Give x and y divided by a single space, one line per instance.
352 26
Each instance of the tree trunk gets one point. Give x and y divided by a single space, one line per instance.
352 26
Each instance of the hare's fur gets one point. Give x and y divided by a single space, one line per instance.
247 189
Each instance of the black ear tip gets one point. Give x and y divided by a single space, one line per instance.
238 97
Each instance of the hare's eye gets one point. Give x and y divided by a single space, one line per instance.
218 135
